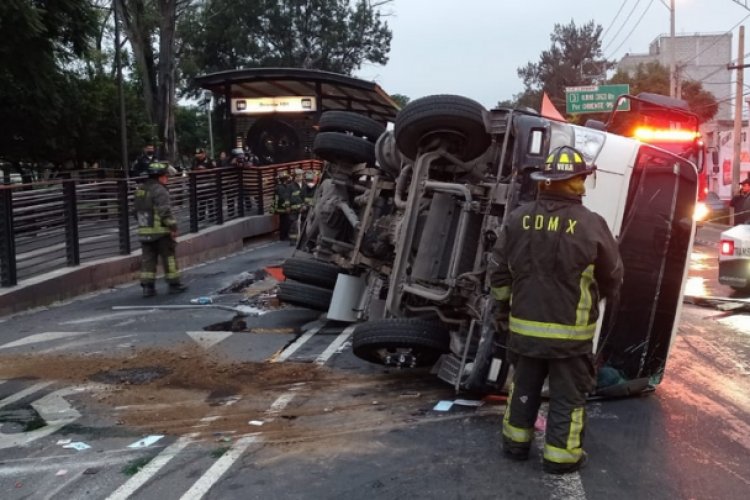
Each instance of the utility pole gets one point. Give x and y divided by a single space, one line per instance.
672 49
737 134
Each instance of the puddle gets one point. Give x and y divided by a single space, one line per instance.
131 376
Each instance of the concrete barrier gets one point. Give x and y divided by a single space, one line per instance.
69 282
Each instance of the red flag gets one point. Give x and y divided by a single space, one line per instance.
549 110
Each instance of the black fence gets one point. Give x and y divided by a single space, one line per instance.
47 226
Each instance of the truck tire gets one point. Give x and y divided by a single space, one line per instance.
354 123
311 272
300 294
458 120
401 342
337 147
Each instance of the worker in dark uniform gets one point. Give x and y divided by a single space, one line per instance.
741 203
140 165
157 231
282 204
296 202
552 260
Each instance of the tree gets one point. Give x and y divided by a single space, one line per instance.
574 58
401 100
653 77
41 38
330 35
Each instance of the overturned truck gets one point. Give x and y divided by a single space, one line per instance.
403 226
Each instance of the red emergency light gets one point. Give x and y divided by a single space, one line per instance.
649 134
726 247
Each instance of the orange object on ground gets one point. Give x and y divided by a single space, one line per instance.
276 273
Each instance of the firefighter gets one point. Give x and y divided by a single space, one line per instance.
140 165
552 260
157 230
296 203
741 203
282 204
308 189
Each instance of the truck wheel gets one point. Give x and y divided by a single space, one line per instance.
457 122
387 154
343 148
354 123
402 342
312 272
300 294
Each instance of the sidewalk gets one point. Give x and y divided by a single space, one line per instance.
69 282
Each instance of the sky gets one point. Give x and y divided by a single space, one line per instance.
474 47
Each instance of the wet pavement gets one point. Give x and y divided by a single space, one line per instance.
271 403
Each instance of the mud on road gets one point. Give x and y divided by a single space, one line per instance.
186 391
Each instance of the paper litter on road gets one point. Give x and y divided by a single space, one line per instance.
468 402
146 442
61 442
78 445
256 422
443 406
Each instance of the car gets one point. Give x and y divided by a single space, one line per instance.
734 258
712 209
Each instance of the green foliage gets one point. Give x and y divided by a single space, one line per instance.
330 35
400 99
653 77
574 58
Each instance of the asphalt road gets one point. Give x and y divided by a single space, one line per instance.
254 413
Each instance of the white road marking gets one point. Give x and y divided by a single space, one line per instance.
208 339
212 475
83 343
335 345
127 489
106 317
22 394
286 353
222 465
54 409
41 337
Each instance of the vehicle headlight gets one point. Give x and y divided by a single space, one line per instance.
701 211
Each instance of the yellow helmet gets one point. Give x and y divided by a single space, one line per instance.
563 163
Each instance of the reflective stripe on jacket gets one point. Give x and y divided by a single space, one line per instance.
554 259
153 211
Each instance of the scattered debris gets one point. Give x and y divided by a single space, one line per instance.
78 445
134 466
146 442
468 402
256 422
61 472
218 452
443 406
202 300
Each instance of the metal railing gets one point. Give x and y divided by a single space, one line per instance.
47 226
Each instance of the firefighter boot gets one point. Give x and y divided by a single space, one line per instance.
177 288
148 289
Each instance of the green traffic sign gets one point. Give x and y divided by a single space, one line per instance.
595 98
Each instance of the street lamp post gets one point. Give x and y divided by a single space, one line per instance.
672 79
120 93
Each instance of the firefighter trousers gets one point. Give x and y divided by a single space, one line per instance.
163 248
570 379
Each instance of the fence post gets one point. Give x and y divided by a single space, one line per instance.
241 192
8 268
260 191
193 201
70 210
219 198
123 214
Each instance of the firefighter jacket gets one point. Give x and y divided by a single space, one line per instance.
153 211
295 195
308 194
553 260
282 198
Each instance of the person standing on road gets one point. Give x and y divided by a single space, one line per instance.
741 203
282 204
308 194
157 231
552 260
296 202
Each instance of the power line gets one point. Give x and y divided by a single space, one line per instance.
622 25
718 39
614 19
634 27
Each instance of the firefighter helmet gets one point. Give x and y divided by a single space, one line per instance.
157 168
563 163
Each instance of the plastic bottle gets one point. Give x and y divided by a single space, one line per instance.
202 300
